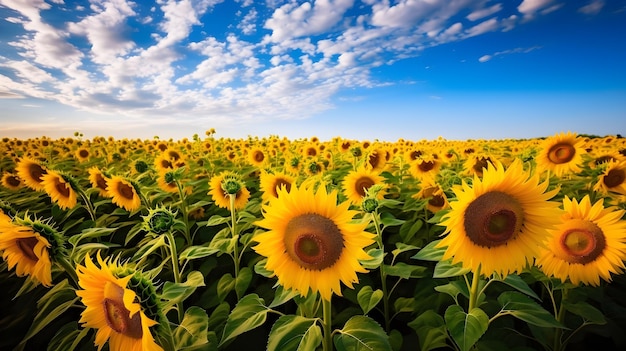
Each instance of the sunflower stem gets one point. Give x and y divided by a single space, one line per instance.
68 268
560 317
327 342
175 269
183 209
474 293
90 209
383 275
233 229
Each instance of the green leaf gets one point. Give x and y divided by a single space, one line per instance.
50 306
259 268
526 309
402 247
586 311
409 229
454 288
361 333
249 313
90 233
515 281
193 330
195 252
178 292
225 285
377 258
430 252
223 241
405 271
68 337
217 220
388 220
431 330
404 304
293 332
243 281
149 247
282 295
445 269
368 298
466 328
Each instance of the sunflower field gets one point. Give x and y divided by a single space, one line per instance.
278 244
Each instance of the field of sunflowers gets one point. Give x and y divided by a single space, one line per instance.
278 244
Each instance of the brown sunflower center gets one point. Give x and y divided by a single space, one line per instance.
118 318
101 182
583 243
27 246
36 171
493 218
362 184
258 156
62 188
561 153
614 178
13 180
374 159
481 162
83 153
313 241
437 201
426 166
280 182
125 190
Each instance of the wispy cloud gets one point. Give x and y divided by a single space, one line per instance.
275 60
592 8
488 57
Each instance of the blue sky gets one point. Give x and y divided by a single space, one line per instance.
412 69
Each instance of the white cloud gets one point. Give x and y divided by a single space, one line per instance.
485 12
520 50
529 8
592 8
489 25
484 58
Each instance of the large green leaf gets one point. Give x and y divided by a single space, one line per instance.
249 313
526 309
515 281
431 330
293 332
430 252
282 295
405 271
225 285
454 288
445 269
243 280
68 337
587 311
178 292
195 252
377 258
193 330
466 328
223 241
361 333
369 298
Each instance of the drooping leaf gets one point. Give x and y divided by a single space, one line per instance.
526 309
445 269
249 313
369 298
430 252
586 311
466 328
193 329
431 330
292 332
361 333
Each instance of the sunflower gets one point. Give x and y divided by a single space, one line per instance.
26 249
432 192
270 182
498 223
220 194
31 171
561 154
312 244
59 187
475 164
98 180
613 179
123 193
82 154
356 183
424 167
257 157
376 159
588 244
112 308
11 181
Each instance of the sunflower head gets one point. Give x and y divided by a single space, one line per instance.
61 188
98 180
589 244
31 172
31 245
613 179
357 183
311 243
271 182
159 220
561 154
228 184
499 222
11 181
124 193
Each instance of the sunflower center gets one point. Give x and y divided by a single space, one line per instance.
259 156
561 153
374 159
101 182
583 243
117 315
13 180
27 246
83 153
362 184
614 178
426 166
437 201
278 183
482 162
36 171
62 188
493 219
125 190
313 241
